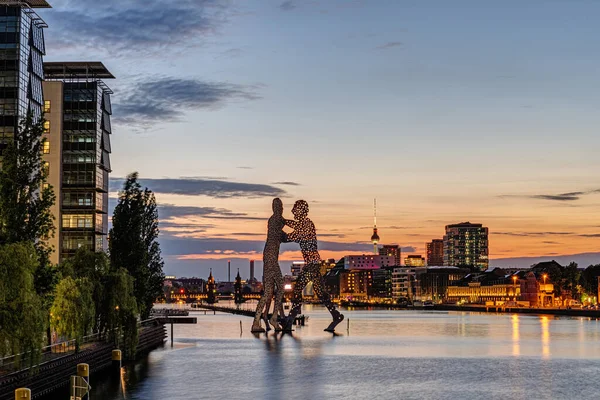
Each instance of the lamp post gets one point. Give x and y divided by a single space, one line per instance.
544 276
515 287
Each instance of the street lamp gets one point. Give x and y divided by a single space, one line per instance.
515 286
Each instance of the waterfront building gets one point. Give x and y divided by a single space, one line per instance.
466 245
327 265
537 293
77 109
238 296
251 270
382 283
414 260
21 64
434 282
405 282
392 250
333 278
435 253
356 284
488 287
367 261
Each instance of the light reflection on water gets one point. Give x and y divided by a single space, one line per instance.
384 355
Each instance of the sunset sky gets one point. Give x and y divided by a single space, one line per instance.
445 111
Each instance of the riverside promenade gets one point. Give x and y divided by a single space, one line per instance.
572 312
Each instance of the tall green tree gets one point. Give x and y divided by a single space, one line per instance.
133 242
589 280
73 309
22 318
94 266
119 311
25 199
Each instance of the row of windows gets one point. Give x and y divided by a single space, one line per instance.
78 221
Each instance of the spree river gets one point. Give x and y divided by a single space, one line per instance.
383 355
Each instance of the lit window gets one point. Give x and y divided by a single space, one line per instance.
46 147
46 167
46 126
46 106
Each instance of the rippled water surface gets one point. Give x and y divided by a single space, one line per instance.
383 355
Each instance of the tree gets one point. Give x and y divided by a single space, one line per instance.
589 280
133 242
94 266
73 309
118 318
22 319
25 199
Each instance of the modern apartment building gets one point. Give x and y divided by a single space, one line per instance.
77 109
435 253
21 65
466 245
392 250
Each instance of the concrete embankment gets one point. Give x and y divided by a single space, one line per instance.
53 375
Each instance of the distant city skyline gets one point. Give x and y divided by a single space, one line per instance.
446 113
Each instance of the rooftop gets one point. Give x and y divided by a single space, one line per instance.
30 3
76 70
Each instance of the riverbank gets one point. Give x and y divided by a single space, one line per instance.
53 375
519 310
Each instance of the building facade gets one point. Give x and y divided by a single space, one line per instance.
78 111
414 260
435 253
366 261
466 245
21 65
392 250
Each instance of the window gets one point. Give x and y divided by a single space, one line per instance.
46 126
46 167
46 147
46 106
77 221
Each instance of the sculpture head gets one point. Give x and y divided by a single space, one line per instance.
277 206
300 209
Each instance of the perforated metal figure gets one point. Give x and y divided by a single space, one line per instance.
304 233
272 278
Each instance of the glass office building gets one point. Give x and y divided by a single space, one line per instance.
21 64
78 107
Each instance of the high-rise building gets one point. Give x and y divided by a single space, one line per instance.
21 65
414 260
435 253
77 110
392 250
466 245
365 261
251 270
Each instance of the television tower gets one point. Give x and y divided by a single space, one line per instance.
375 236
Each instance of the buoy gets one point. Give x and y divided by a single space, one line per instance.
23 394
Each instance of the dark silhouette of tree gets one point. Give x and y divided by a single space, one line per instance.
133 242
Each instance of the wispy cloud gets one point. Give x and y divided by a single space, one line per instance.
152 101
288 5
150 27
389 45
169 211
561 197
286 183
219 189
532 234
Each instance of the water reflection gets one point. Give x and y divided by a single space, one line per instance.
545 336
515 335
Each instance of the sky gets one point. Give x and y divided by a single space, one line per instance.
445 111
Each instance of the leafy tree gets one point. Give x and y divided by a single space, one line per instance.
119 319
94 266
571 277
73 309
22 319
133 242
589 280
25 201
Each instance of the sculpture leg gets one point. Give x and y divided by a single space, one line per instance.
278 306
268 292
301 283
319 288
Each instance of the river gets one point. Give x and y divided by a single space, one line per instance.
383 355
